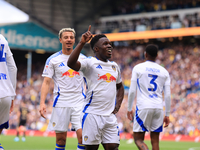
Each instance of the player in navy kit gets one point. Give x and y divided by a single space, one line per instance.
22 117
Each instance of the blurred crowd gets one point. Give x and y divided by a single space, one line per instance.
139 6
146 24
143 22
182 62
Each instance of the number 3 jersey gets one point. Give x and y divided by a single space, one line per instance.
101 78
68 84
151 79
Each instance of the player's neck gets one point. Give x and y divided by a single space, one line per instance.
67 51
148 58
152 60
100 58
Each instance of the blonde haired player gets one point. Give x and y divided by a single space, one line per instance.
68 91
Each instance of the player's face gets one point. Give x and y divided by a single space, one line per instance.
104 48
67 39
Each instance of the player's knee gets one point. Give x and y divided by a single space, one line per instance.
137 142
141 145
61 141
114 146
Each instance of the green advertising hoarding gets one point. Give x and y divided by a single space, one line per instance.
30 36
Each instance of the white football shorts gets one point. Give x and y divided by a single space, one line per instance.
148 120
5 104
98 129
62 116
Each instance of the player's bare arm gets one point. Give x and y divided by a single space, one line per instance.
120 97
131 96
72 61
44 92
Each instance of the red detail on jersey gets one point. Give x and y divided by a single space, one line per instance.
103 77
66 74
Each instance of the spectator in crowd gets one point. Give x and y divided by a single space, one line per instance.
22 119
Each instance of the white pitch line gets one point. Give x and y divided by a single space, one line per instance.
194 148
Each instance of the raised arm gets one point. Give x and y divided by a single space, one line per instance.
120 97
72 61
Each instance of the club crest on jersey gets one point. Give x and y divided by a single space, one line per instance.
86 138
114 68
54 124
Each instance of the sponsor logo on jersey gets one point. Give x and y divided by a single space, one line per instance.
107 77
70 73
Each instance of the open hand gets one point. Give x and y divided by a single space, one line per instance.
166 121
42 110
130 115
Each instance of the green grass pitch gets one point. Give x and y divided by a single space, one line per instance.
48 143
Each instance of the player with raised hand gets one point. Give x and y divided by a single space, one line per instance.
104 93
8 79
149 80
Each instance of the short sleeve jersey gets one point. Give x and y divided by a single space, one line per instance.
101 79
6 86
68 84
151 79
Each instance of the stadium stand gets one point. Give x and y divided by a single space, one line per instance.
139 6
149 15
150 22
179 56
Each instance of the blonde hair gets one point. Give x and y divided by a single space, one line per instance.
66 30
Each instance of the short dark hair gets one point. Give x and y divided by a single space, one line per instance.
95 39
152 50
